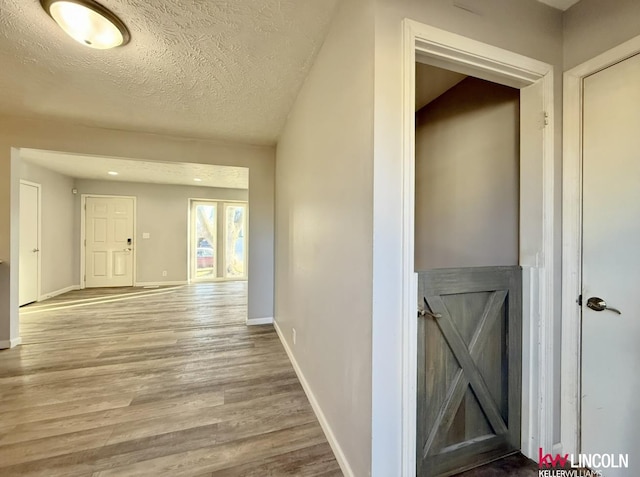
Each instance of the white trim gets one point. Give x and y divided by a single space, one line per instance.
462 54
557 449
572 237
83 212
268 320
62 291
161 284
530 389
333 442
39 246
12 343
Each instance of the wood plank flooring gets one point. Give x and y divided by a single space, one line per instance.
154 382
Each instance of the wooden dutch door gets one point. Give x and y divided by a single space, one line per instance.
469 367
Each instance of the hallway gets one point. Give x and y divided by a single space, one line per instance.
166 381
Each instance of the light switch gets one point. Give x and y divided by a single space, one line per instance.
146 235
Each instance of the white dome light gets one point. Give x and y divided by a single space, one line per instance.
88 23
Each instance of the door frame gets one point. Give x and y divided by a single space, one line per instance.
39 219
572 237
83 212
458 53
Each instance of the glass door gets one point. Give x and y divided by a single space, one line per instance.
204 243
235 240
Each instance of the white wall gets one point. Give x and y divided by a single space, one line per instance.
57 253
162 211
324 230
592 27
18 132
468 177
526 27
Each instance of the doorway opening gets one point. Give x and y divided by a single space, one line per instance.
469 280
218 240
535 235
115 222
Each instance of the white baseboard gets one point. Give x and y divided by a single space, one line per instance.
335 446
160 284
62 291
6 344
260 321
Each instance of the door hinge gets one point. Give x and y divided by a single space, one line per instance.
545 118
580 300
85 242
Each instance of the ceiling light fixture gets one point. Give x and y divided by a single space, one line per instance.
112 173
88 22
197 180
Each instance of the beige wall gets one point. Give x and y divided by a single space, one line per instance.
467 177
162 211
57 248
592 27
17 132
324 230
526 27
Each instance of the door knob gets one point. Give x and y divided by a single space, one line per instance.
598 304
35 250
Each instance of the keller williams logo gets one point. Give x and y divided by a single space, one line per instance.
582 466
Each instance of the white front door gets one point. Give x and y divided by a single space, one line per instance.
28 270
109 241
611 265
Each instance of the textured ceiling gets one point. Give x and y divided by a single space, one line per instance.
201 68
560 4
93 167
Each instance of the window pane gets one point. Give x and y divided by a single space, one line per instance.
235 241
205 246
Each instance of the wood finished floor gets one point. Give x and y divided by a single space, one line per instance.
165 382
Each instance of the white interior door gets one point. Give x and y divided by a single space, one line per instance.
611 265
109 233
29 243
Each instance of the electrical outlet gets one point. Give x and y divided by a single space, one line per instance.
293 332
164 273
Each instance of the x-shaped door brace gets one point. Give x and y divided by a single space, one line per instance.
468 372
